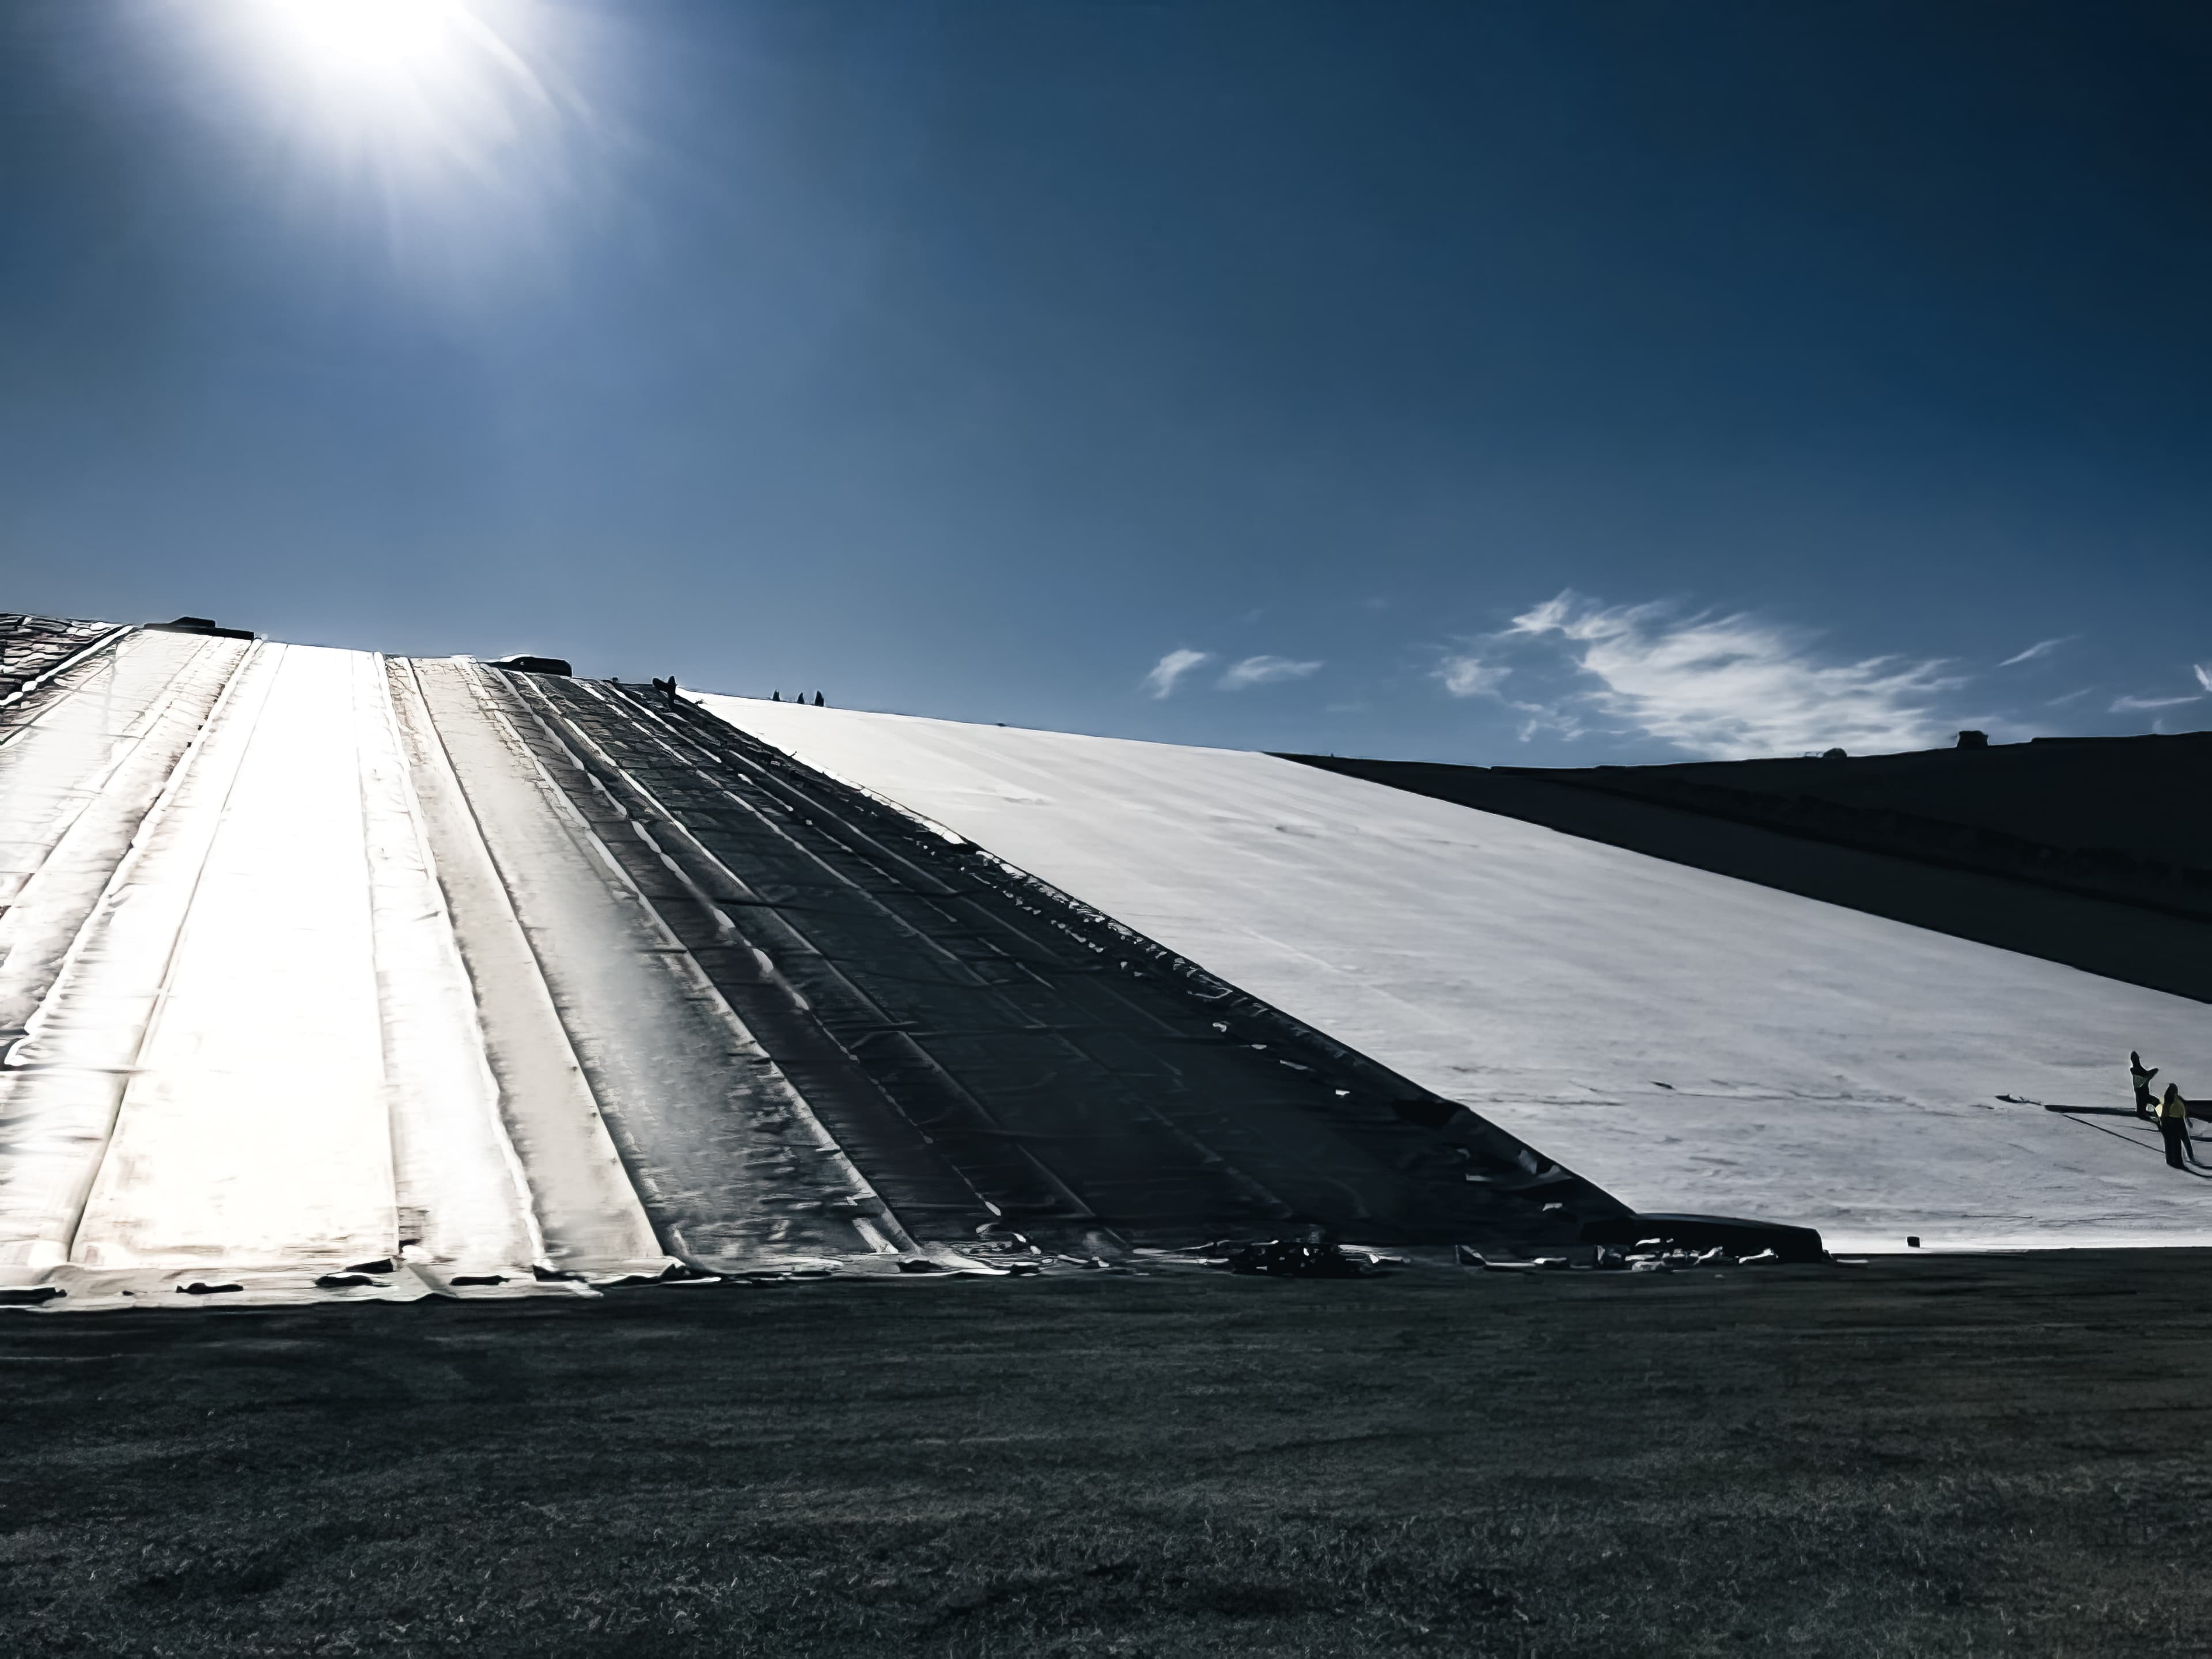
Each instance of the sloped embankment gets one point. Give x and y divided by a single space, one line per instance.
965 1028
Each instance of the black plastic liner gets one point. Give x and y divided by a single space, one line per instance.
199 625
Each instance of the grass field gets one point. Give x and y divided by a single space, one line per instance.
1931 1456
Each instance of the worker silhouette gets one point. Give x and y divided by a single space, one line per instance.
2174 1127
2141 1079
817 700
775 696
667 690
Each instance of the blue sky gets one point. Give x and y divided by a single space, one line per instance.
1543 383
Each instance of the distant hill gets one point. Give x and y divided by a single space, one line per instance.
2146 799
2089 851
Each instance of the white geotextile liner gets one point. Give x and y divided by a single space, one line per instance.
67 1078
253 1128
1825 1066
77 780
204 1098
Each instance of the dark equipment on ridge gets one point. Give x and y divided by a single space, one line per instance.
1973 739
536 666
198 625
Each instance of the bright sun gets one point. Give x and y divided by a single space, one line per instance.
367 38
425 94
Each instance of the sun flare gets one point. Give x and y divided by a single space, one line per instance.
367 38
417 86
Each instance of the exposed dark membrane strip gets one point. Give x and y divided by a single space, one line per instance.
1062 1070
730 1175
2123 941
931 1198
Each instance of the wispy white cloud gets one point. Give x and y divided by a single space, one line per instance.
1469 676
2071 696
2041 648
2123 705
1172 667
1543 718
1265 670
2204 672
1735 686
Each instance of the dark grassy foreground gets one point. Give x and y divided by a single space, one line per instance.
1929 1456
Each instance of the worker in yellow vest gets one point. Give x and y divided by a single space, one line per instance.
2173 1127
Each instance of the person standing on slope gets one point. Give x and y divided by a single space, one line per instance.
2173 1127
2141 1080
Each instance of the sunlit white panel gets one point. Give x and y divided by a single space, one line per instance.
253 1129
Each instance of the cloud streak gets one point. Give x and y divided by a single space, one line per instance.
2204 672
1265 670
2125 705
1732 687
2041 648
1161 681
